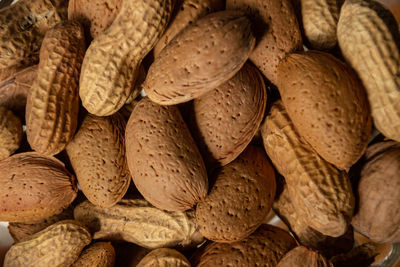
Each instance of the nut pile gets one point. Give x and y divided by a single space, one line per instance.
168 132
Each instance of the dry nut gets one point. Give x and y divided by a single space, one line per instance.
100 254
164 257
302 256
10 133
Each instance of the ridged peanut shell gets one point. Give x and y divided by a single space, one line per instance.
327 105
302 256
200 58
224 121
164 257
97 155
112 61
34 187
138 222
10 133
163 159
240 198
100 254
58 245
369 39
53 102
318 189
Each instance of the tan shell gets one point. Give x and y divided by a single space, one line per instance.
10 133
22 29
34 187
53 103
112 61
138 85
137 221
188 11
163 159
100 254
58 245
327 104
95 15
97 155
164 257
302 256
8 72
379 201
319 190
240 198
265 247
200 58
276 29
224 121
369 39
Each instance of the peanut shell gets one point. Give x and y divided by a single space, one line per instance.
10 133
302 256
164 257
100 254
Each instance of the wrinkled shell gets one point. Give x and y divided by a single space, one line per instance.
34 187
164 257
187 13
137 221
369 39
320 191
240 199
302 256
101 254
224 121
327 104
58 245
112 61
53 103
163 159
265 247
97 155
200 58
10 133
276 29
378 214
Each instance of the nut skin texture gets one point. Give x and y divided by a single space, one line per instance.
163 159
10 133
97 155
53 102
58 245
164 257
100 254
377 216
224 121
34 187
138 222
204 55
320 18
265 247
327 105
241 197
320 191
188 11
369 39
276 29
22 28
112 61
302 256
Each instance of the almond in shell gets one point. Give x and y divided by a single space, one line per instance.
100 254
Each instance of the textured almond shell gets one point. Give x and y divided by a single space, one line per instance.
10 133
327 105
137 221
369 39
187 12
164 257
100 254
163 158
203 56
97 155
34 187
302 256
321 191
112 60
224 121
240 198
276 29
53 102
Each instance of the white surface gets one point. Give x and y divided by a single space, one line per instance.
5 238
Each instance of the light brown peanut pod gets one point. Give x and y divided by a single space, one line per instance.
164 257
100 254
302 256
10 133
369 39
58 245
112 61
321 191
53 103
23 26
138 222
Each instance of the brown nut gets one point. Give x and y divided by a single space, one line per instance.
164 257
100 254
10 133
302 256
